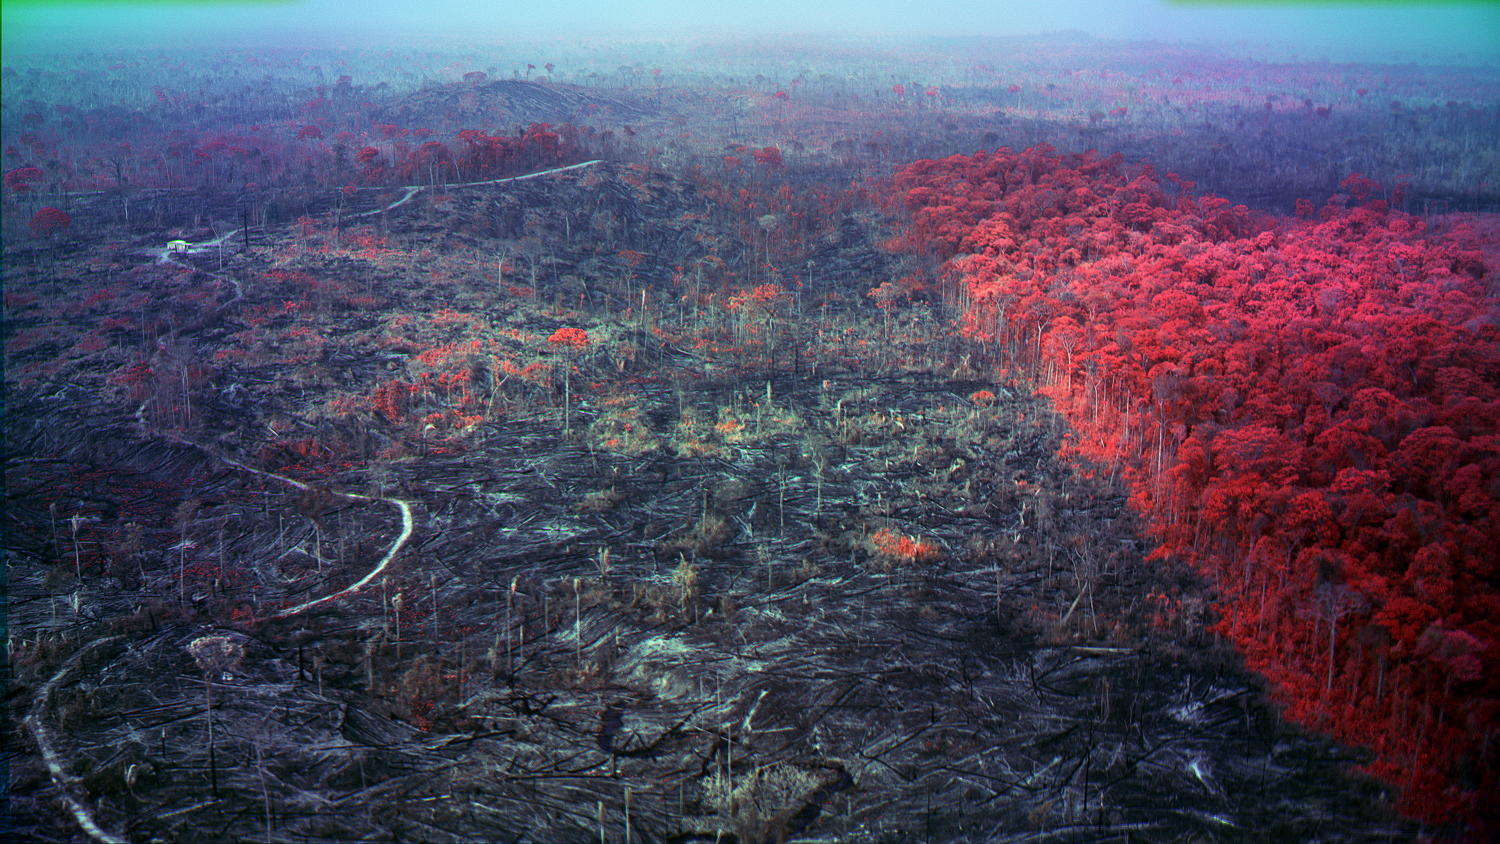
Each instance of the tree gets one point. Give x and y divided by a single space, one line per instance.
769 158
433 157
218 657
572 342
19 180
48 221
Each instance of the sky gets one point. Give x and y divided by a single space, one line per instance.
1398 30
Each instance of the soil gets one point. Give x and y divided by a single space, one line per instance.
801 584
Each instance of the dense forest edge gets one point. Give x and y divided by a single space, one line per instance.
1306 410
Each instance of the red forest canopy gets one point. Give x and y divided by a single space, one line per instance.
1308 410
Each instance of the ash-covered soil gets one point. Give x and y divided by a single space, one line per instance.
811 590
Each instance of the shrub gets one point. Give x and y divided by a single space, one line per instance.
892 547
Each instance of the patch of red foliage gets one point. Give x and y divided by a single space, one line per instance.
895 546
48 220
569 338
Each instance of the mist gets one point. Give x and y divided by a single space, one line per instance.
1462 33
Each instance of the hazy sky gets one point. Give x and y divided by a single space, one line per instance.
1340 29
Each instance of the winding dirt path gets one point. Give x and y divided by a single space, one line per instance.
169 256
166 254
35 719
36 722
404 507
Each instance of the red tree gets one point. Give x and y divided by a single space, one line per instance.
48 221
19 180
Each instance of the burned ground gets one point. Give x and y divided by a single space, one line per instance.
731 578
